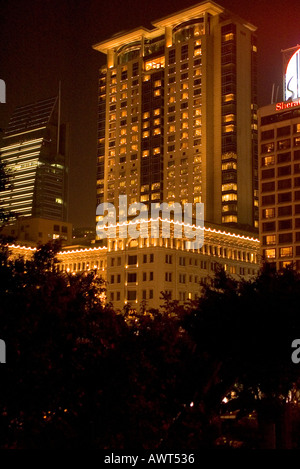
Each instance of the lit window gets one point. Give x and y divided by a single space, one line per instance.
229 165
229 97
229 128
157 131
269 213
270 239
146 77
157 93
156 151
155 63
184 95
172 128
229 219
286 252
229 118
145 188
268 160
146 134
270 253
156 112
146 115
157 83
124 113
229 187
228 197
144 198
145 153
228 37
197 199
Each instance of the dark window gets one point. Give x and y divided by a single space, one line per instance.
269 226
284 171
268 200
284 197
284 157
131 277
268 173
131 295
285 211
267 134
284 184
268 186
283 131
285 238
285 224
132 260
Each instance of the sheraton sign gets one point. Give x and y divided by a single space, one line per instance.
287 105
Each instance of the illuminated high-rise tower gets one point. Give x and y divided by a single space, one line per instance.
178 115
34 153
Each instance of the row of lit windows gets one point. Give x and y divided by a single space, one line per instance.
80 266
283 238
183 261
282 252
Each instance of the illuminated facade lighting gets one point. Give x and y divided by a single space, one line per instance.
35 162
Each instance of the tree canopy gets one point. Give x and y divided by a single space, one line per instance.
216 372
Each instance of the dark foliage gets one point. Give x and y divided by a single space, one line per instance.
81 376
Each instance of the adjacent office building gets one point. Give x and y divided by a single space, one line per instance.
34 152
279 145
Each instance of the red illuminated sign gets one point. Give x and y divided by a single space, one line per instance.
287 105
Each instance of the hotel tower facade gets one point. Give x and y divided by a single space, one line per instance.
178 115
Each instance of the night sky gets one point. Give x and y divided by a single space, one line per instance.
47 41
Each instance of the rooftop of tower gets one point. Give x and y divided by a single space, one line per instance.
171 20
